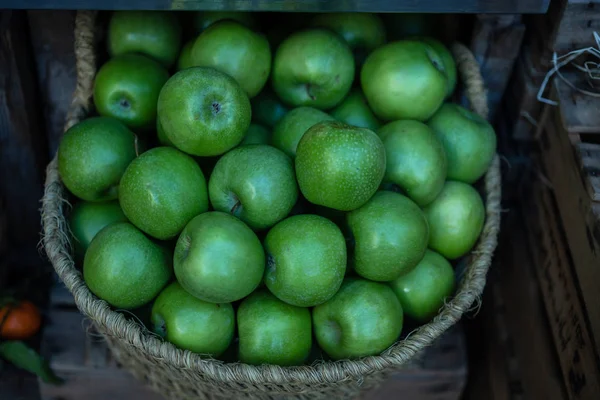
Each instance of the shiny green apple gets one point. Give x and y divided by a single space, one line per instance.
88 218
126 268
255 183
306 260
127 88
290 129
162 190
93 155
416 159
390 236
354 110
313 68
339 166
273 332
423 290
156 34
404 80
230 47
218 258
455 219
192 324
363 319
468 139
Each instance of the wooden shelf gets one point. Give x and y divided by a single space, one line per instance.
415 6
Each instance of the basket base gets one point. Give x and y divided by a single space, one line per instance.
81 357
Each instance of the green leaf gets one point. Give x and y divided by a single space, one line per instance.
22 356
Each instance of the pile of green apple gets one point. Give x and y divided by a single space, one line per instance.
268 193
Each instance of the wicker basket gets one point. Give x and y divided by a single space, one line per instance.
179 374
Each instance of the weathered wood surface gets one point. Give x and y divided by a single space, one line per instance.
52 41
495 44
588 155
577 210
416 6
568 25
560 214
23 154
578 110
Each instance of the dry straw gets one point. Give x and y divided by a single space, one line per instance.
179 374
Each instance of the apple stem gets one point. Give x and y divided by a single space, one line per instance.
312 96
235 207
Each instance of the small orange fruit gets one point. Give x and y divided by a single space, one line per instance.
19 321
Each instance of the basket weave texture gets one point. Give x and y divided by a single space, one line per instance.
179 374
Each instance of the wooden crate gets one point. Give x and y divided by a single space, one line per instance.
80 356
568 173
571 331
564 224
567 26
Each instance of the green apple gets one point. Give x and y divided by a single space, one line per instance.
163 140
88 218
155 34
306 260
232 48
273 332
218 258
455 219
469 141
204 19
290 129
354 110
267 109
363 319
257 134
204 112
447 60
404 80
363 32
162 190
192 324
313 68
127 88
256 183
416 160
390 235
185 56
423 290
124 267
93 155
339 166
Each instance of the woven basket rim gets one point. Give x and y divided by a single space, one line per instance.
56 242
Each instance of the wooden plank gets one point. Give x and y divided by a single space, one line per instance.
23 152
535 354
495 44
576 210
16 384
424 6
588 155
567 25
578 110
52 41
572 335
80 356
